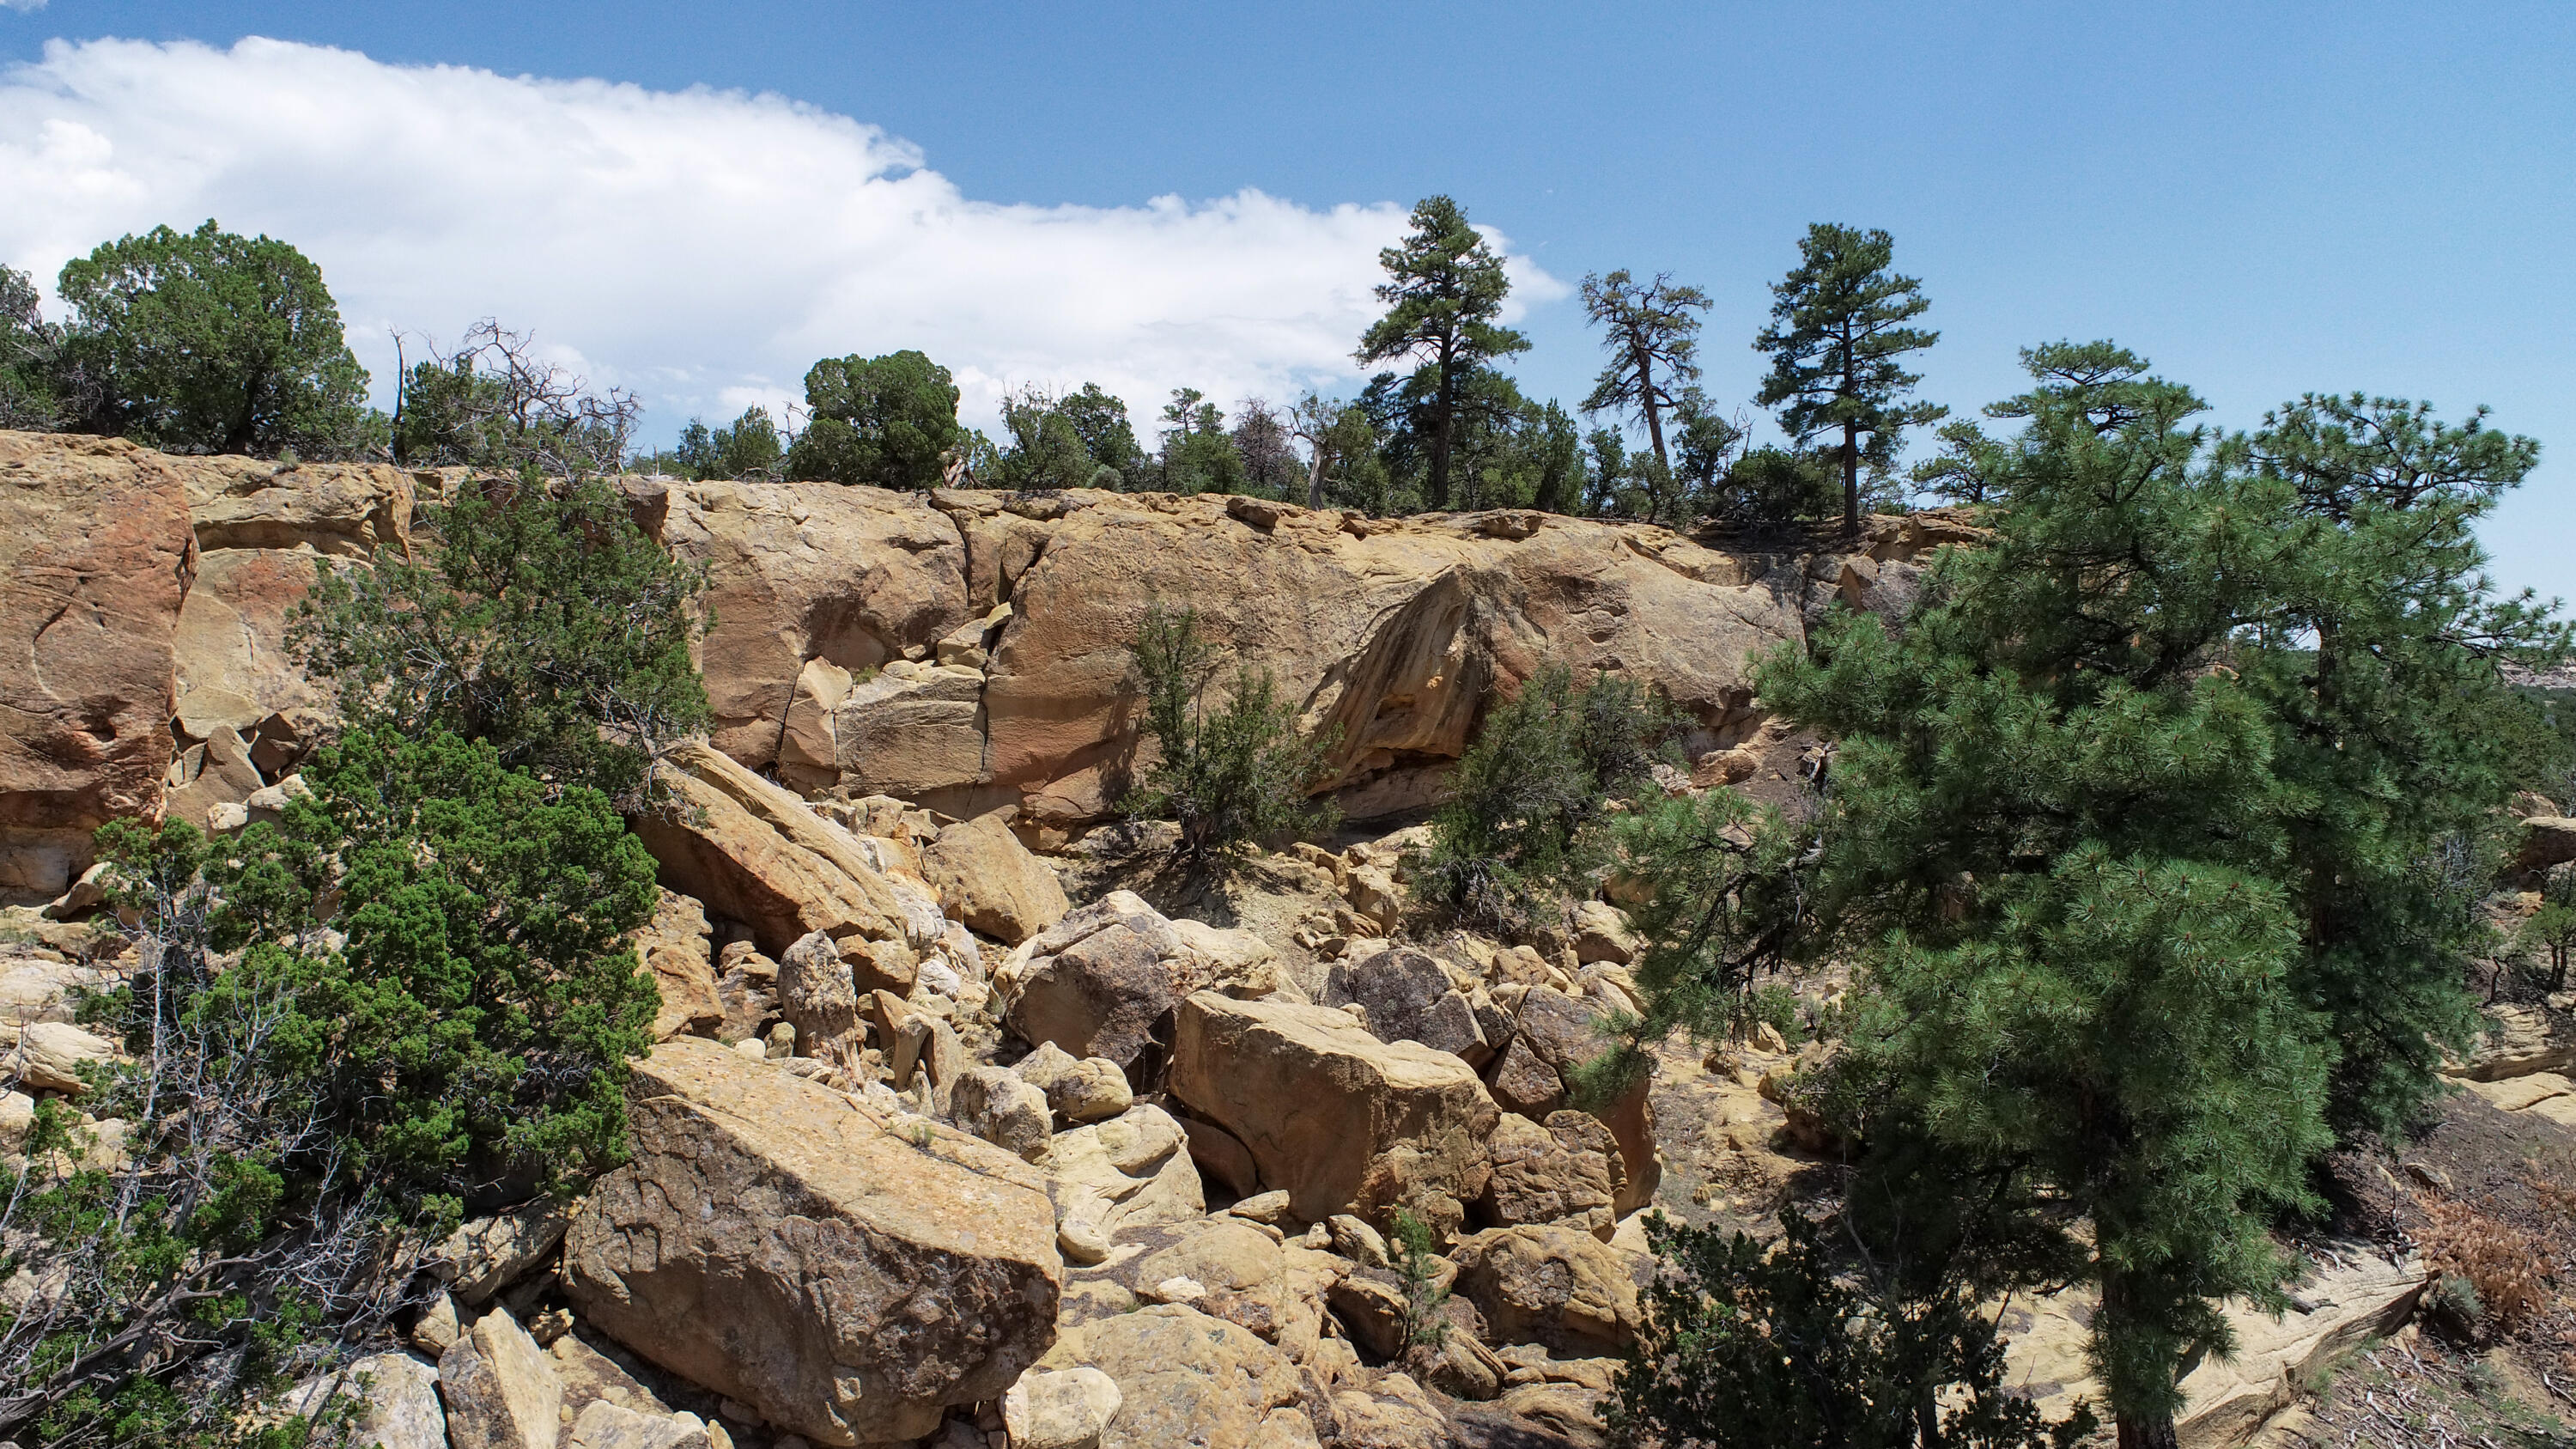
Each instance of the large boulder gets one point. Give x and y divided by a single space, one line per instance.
2547 840
1102 982
777 1242
802 571
1186 1378
818 998
1567 1171
95 560
1133 1170
674 947
1558 1033
989 880
1325 1107
1553 1285
397 1397
751 851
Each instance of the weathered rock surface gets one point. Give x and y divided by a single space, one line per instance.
1130 1171
2547 840
996 1105
1067 1409
674 947
400 1394
2517 1041
95 560
799 571
502 1391
915 730
816 995
1552 1285
1323 1105
489 1254
749 850
49 1055
1090 1090
1187 1378
2354 1295
1103 982
1567 1171
775 1242
1408 997
989 880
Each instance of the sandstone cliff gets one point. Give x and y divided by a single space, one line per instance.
962 649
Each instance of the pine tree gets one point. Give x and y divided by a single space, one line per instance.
1653 342
1837 344
1444 290
2146 827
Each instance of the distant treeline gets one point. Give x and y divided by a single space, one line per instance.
210 342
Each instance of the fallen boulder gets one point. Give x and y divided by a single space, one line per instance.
1322 1104
502 1390
751 851
989 880
776 1242
674 947
1103 982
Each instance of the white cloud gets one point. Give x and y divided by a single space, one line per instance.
701 246
22 4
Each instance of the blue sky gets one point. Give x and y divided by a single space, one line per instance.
2265 199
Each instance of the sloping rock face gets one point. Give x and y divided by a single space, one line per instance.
1395 632
775 1242
95 560
753 852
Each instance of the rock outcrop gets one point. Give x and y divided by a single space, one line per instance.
95 560
776 1242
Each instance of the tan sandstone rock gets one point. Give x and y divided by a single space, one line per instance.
1066 1409
502 1390
674 947
749 850
1188 1378
399 1395
986 878
95 559
1133 1170
1322 1104
914 730
1553 1285
802 571
775 1242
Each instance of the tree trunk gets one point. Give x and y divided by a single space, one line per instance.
1315 478
1851 478
1646 401
1443 403
2139 1427
2157 1433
